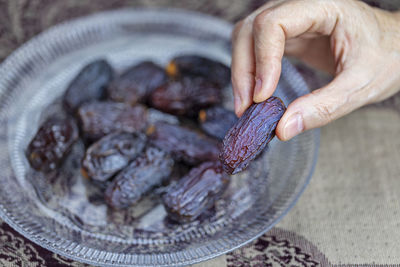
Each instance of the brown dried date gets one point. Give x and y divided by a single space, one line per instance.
111 154
216 121
251 133
138 178
98 119
185 96
183 144
136 84
90 84
193 65
51 144
196 192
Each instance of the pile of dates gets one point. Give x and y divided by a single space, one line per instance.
155 126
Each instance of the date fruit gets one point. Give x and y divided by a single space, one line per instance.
136 84
183 144
90 84
138 178
251 133
196 192
51 144
216 121
193 65
98 119
185 96
111 154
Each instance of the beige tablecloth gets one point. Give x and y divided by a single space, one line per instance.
348 215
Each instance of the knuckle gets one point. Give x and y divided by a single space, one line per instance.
324 112
264 18
258 24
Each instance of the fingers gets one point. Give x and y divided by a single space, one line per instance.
242 67
259 45
340 45
271 29
322 106
268 53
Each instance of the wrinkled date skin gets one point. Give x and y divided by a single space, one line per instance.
193 65
196 192
138 178
111 154
90 84
51 144
183 144
98 119
216 121
136 84
251 133
185 96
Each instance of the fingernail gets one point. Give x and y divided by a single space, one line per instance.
257 87
294 126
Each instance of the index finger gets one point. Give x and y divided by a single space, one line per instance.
242 67
271 29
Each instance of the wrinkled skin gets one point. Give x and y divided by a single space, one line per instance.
250 134
111 154
90 84
183 144
51 144
138 178
193 65
358 44
137 83
98 119
196 192
216 121
185 96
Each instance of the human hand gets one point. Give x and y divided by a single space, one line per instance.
357 43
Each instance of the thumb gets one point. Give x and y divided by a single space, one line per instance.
321 106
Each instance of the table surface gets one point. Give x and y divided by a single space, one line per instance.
349 213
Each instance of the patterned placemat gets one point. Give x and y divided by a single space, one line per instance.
348 216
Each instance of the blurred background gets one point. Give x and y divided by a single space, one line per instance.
20 20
